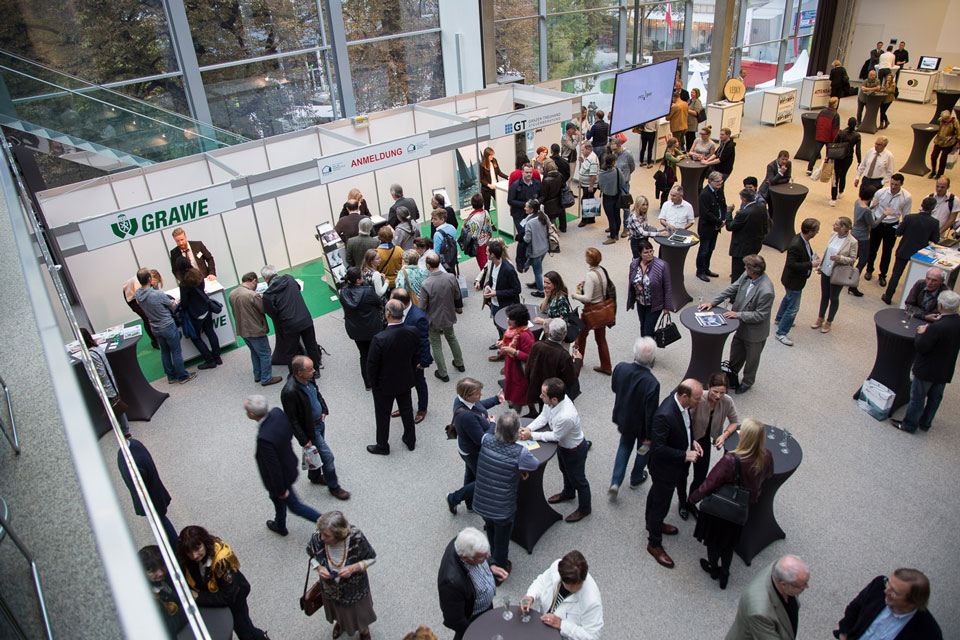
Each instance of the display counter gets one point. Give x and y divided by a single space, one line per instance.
815 92
916 85
725 114
778 106
222 322
922 261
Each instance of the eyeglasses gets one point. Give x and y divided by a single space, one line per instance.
886 585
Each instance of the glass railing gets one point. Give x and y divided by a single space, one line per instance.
71 111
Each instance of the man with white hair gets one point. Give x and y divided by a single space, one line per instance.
636 394
292 322
550 359
357 245
768 606
937 345
676 213
396 192
466 580
277 462
923 298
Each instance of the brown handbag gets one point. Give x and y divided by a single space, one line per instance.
312 600
603 313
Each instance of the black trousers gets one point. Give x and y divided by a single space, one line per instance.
736 268
899 265
700 467
363 346
840 168
886 235
658 505
205 328
288 345
382 406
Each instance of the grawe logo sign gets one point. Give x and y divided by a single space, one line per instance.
102 231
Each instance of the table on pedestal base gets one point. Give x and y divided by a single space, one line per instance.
809 122
917 162
871 113
534 513
675 254
785 200
706 344
492 625
946 101
895 353
691 179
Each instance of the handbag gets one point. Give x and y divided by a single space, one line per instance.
826 173
730 502
626 200
845 275
837 150
666 332
567 199
214 305
312 600
575 325
702 115
603 313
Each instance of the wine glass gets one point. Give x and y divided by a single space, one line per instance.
525 603
771 434
906 316
786 440
507 614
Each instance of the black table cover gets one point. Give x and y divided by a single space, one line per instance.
488 625
871 114
706 344
692 173
809 122
675 254
946 100
895 353
786 200
142 399
762 527
500 319
98 414
916 164
534 513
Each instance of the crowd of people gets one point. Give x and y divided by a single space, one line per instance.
401 300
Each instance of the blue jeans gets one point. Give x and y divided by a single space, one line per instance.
465 493
627 444
326 457
537 265
648 319
788 311
498 534
260 357
573 467
293 503
169 340
925 399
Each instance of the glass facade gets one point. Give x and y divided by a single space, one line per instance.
398 71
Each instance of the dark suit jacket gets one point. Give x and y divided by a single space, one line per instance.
636 394
773 177
393 359
747 229
507 285
299 413
275 458
713 209
151 479
549 359
457 594
668 442
798 267
937 348
201 254
726 154
868 604
562 166
913 300
348 226
418 320
392 218
916 230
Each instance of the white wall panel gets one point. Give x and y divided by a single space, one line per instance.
341 188
177 179
392 126
153 252
435 172
300 213
271 233
99 276
245 251
246 162
284 153
468 103
330 145
497 101
407 175
130 189
93 200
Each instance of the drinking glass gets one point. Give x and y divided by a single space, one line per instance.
906 317
771 434
786 441
507 614
525 603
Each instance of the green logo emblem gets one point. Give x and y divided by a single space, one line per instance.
124 226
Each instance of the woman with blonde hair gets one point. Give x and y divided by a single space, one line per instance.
754 464
841 250
354 194
591 292
637 227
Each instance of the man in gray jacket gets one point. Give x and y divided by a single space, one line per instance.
159 307
251 323
752 297
440 300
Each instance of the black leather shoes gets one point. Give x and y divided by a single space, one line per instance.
702 276
276 529
379 451
882 281
712 274
743 388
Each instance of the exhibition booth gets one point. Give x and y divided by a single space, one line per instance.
261 202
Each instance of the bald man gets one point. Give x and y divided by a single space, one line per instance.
672 448
768 606
921 301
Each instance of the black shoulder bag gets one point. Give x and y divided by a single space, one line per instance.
730 502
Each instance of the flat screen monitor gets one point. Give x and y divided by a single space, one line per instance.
642 94
929 63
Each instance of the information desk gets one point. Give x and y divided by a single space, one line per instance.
692 173
946 101
871 113
500 319
916 85
809 141
725 114
491 625
944 258
895 353
786 200
222 323
762 527
916 164
778 106
815 92
534 513
706 343
675 254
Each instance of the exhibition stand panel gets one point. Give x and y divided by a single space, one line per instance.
260 202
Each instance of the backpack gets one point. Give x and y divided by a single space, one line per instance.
660 182
468 244
448 252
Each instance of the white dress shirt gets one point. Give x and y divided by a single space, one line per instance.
686 418
887 60
494 274
901 202
677 215
943 210
564 423
884 168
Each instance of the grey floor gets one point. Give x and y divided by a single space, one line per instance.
866 499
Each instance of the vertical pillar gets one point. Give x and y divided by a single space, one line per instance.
720 54
784 34
687 37
338 46
542 24
182 42
488 43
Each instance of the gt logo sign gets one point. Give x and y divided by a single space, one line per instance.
515 127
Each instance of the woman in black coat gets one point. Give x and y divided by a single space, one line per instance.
196 304
839 81
362 315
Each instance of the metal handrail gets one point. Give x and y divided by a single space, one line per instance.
178 579
92 86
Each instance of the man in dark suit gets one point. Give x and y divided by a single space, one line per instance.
796 271
391 369
916 230
348 226
151 479
196 252
713 209
501 286
465 563
414 317
277 463
779 171
937 345
522 191
891 607
396 192
672 447
746 229
636 394
549 358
